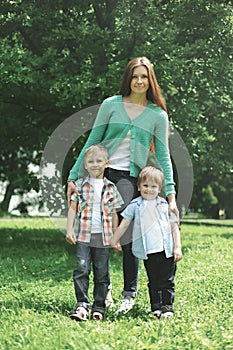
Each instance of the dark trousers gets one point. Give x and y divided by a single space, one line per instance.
99 258
161 273
127 186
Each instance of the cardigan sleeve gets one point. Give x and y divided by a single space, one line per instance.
96 136
162 153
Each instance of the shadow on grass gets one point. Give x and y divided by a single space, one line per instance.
38 307
227 235
36 271
35 255
29 236
56 307
138 312
217 223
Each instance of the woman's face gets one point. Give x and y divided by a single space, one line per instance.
140 81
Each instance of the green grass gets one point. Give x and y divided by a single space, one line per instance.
37 294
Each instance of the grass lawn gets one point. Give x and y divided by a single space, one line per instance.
37 294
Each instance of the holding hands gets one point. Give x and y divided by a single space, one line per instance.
116 247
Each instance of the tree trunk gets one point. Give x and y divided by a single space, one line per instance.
4 205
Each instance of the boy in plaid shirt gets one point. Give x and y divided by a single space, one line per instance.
95 208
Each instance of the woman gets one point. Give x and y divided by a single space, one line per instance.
127 125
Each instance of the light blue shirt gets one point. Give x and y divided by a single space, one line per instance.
152 231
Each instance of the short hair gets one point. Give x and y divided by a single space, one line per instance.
151 173
95 148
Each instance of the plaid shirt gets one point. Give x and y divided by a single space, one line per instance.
110 200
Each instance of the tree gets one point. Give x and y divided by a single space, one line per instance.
202 94
60 57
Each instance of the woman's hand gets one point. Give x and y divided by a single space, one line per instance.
173 206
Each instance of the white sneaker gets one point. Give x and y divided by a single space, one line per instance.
109 300
167 314
97 316
157 313
167 311
80 314
126 305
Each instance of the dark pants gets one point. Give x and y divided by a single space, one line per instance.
99 257
127 186
161 273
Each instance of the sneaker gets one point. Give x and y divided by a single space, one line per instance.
157 313
167 314
80 314
109 300
97 316
167 311
126 305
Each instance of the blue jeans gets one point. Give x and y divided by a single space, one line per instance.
99 257
161 273
127 186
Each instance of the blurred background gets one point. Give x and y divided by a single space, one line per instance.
59 57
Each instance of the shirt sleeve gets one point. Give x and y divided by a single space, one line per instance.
74 197
117 199
129 212
96 136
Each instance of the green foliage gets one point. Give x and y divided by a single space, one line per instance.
60 57
37 293
209 204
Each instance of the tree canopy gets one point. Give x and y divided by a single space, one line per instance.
58 57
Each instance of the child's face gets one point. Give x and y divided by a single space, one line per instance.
149 189
95 164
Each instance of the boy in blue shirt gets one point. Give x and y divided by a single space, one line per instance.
156 239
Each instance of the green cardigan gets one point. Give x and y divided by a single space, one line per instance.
110 128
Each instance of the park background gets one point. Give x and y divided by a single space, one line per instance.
61 57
